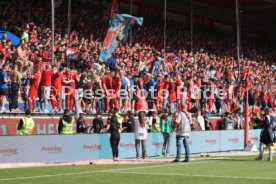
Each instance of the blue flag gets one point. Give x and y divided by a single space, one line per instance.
117 32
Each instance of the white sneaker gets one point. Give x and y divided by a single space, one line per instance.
46 111
3 110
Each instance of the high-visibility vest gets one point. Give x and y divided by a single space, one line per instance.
67 127
120 121
28 126
157 124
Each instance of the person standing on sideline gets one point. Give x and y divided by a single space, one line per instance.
155 123
26 124
114 129
141 135
200 120
266 137
183 128
166 129
66 123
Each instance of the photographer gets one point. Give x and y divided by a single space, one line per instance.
227 122
266 137
82 127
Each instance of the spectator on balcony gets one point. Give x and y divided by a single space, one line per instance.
4 90
15 78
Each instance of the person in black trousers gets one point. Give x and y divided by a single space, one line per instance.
115 136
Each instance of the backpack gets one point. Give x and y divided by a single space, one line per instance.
273 121
186 127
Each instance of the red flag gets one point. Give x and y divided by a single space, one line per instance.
114 8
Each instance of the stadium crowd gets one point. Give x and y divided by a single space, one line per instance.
75 76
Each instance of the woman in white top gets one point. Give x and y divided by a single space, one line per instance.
141 135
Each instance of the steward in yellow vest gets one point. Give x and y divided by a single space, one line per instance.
66 123
26 124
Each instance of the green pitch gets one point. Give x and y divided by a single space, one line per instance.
234 170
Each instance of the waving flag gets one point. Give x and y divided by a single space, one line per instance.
72 54
117 32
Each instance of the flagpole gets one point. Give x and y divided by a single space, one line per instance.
165 27
130 30
69 28
238 37
53 31
191 25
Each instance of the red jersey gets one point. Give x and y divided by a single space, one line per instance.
35 84
171 87
45 55
71 75
36 79
159 86
190 85
56 80
270 97
46 78
33 36
178 83
108 82
166 84
116 83
263 95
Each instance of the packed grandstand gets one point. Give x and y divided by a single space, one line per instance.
140 66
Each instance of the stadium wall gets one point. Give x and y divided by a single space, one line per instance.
69 148
48 125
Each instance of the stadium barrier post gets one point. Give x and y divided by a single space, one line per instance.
246 121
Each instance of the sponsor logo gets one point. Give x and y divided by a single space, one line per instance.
127 146
94 147
8 151
53 149
254 138
211 141
157 144
233 140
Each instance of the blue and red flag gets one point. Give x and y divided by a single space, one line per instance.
117 32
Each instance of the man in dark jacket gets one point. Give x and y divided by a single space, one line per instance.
97 126
266 137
